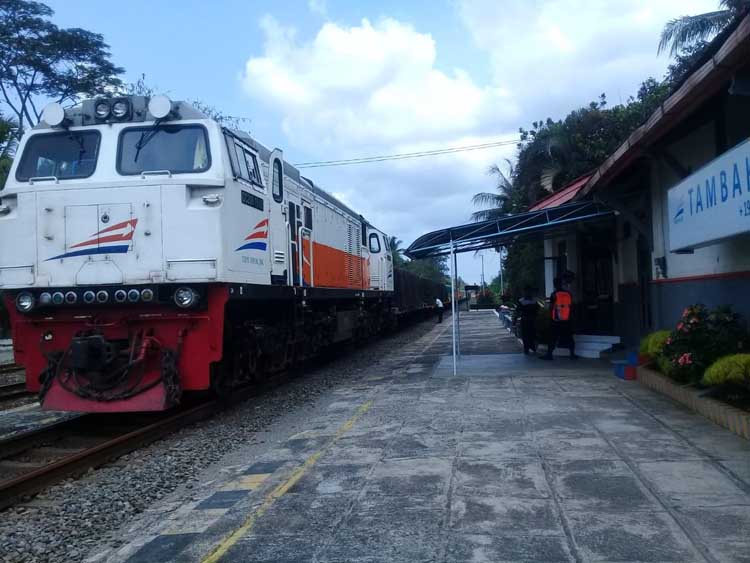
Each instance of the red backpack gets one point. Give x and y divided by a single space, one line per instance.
562 305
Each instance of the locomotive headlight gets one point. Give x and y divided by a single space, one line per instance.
134 295
185 297
147 295
45 298
58 298
120 296
89 297
24 302
53 114
102 296
102 109
159 107
71 297
120 109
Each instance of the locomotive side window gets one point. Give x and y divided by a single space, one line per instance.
374 243
244 163
308 218
177 148
278 182
64 155
242 170
252 168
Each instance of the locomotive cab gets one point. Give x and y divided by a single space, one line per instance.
102 295
144 249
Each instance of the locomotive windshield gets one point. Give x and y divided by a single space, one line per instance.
70 154
177 148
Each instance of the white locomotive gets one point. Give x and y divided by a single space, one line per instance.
145 250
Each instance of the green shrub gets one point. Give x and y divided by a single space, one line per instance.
734 369
653 344
643 349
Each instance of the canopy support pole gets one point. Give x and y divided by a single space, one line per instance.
458 308
453 304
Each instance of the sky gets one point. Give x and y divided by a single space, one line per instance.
328 80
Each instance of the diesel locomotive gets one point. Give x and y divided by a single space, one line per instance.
146 251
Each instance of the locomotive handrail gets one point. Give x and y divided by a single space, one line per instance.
145 173
43 179
300 232
289 273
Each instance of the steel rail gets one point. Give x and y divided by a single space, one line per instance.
90 457
13 391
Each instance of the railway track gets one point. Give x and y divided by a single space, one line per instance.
9 368
13 391
34 460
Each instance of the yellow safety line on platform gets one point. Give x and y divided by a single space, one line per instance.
282 489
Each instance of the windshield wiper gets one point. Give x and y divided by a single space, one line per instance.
145 138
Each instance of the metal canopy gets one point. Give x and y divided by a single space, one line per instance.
504 230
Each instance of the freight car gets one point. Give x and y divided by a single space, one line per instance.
146 251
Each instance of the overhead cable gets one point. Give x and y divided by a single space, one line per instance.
402 156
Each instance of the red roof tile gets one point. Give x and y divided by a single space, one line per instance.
563 195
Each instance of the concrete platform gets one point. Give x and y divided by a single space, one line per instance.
513 459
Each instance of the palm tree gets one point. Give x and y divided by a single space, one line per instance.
396 251
497 203
685 31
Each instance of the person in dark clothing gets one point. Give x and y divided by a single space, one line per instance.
561 328
440 308
526 310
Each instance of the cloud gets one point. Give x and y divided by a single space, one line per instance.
555 55
317 7
381 87
369 85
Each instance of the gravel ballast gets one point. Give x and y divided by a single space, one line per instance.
67 521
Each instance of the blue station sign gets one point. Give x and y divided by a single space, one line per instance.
713 203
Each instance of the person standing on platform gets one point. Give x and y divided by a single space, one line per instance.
561 327
527 309
440 309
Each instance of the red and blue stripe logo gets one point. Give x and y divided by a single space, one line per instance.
257 239
106 241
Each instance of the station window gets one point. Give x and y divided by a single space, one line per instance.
278 182
374 243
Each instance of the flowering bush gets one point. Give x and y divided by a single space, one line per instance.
699 339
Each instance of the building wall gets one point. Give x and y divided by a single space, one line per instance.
674 296
713 275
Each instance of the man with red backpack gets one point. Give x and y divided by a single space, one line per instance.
561 327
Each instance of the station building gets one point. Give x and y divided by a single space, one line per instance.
679 189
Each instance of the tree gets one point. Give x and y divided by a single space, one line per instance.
499 202
230 121
39 61
7 148
685 31
435 268
396 251
142 88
